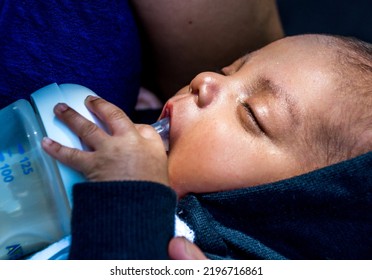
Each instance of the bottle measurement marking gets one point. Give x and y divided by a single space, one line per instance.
21 149
6 170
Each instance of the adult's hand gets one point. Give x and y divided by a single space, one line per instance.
126 152
181 249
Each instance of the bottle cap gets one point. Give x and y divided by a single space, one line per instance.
43 101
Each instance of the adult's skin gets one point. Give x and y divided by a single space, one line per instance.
184 38
180 248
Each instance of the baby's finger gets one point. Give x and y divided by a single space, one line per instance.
74 158
89 132
112 116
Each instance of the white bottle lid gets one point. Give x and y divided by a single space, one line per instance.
44 101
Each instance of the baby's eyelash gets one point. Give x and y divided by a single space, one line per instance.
219 71
252 116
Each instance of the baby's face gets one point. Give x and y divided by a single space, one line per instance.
250 124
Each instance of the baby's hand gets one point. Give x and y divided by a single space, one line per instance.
129 152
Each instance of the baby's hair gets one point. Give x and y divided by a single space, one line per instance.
354 67
358 54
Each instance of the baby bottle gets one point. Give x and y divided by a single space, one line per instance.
35 190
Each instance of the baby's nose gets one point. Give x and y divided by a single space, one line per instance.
207 86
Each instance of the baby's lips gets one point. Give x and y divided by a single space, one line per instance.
166 111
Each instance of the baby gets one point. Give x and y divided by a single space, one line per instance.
297 105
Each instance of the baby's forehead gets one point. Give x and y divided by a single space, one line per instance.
308 45
295 62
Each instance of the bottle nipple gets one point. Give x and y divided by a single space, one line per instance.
162 128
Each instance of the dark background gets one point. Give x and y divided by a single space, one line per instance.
340 17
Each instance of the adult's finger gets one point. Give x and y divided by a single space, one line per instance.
180 248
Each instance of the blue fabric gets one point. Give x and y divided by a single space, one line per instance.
93 43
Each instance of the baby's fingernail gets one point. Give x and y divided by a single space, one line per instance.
47 141
61 107
91 97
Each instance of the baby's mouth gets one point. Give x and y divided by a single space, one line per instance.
166 111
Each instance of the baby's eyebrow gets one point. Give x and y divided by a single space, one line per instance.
265 83
269 86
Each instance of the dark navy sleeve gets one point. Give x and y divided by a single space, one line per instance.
122 220
93 43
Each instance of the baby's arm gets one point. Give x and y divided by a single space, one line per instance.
127 152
